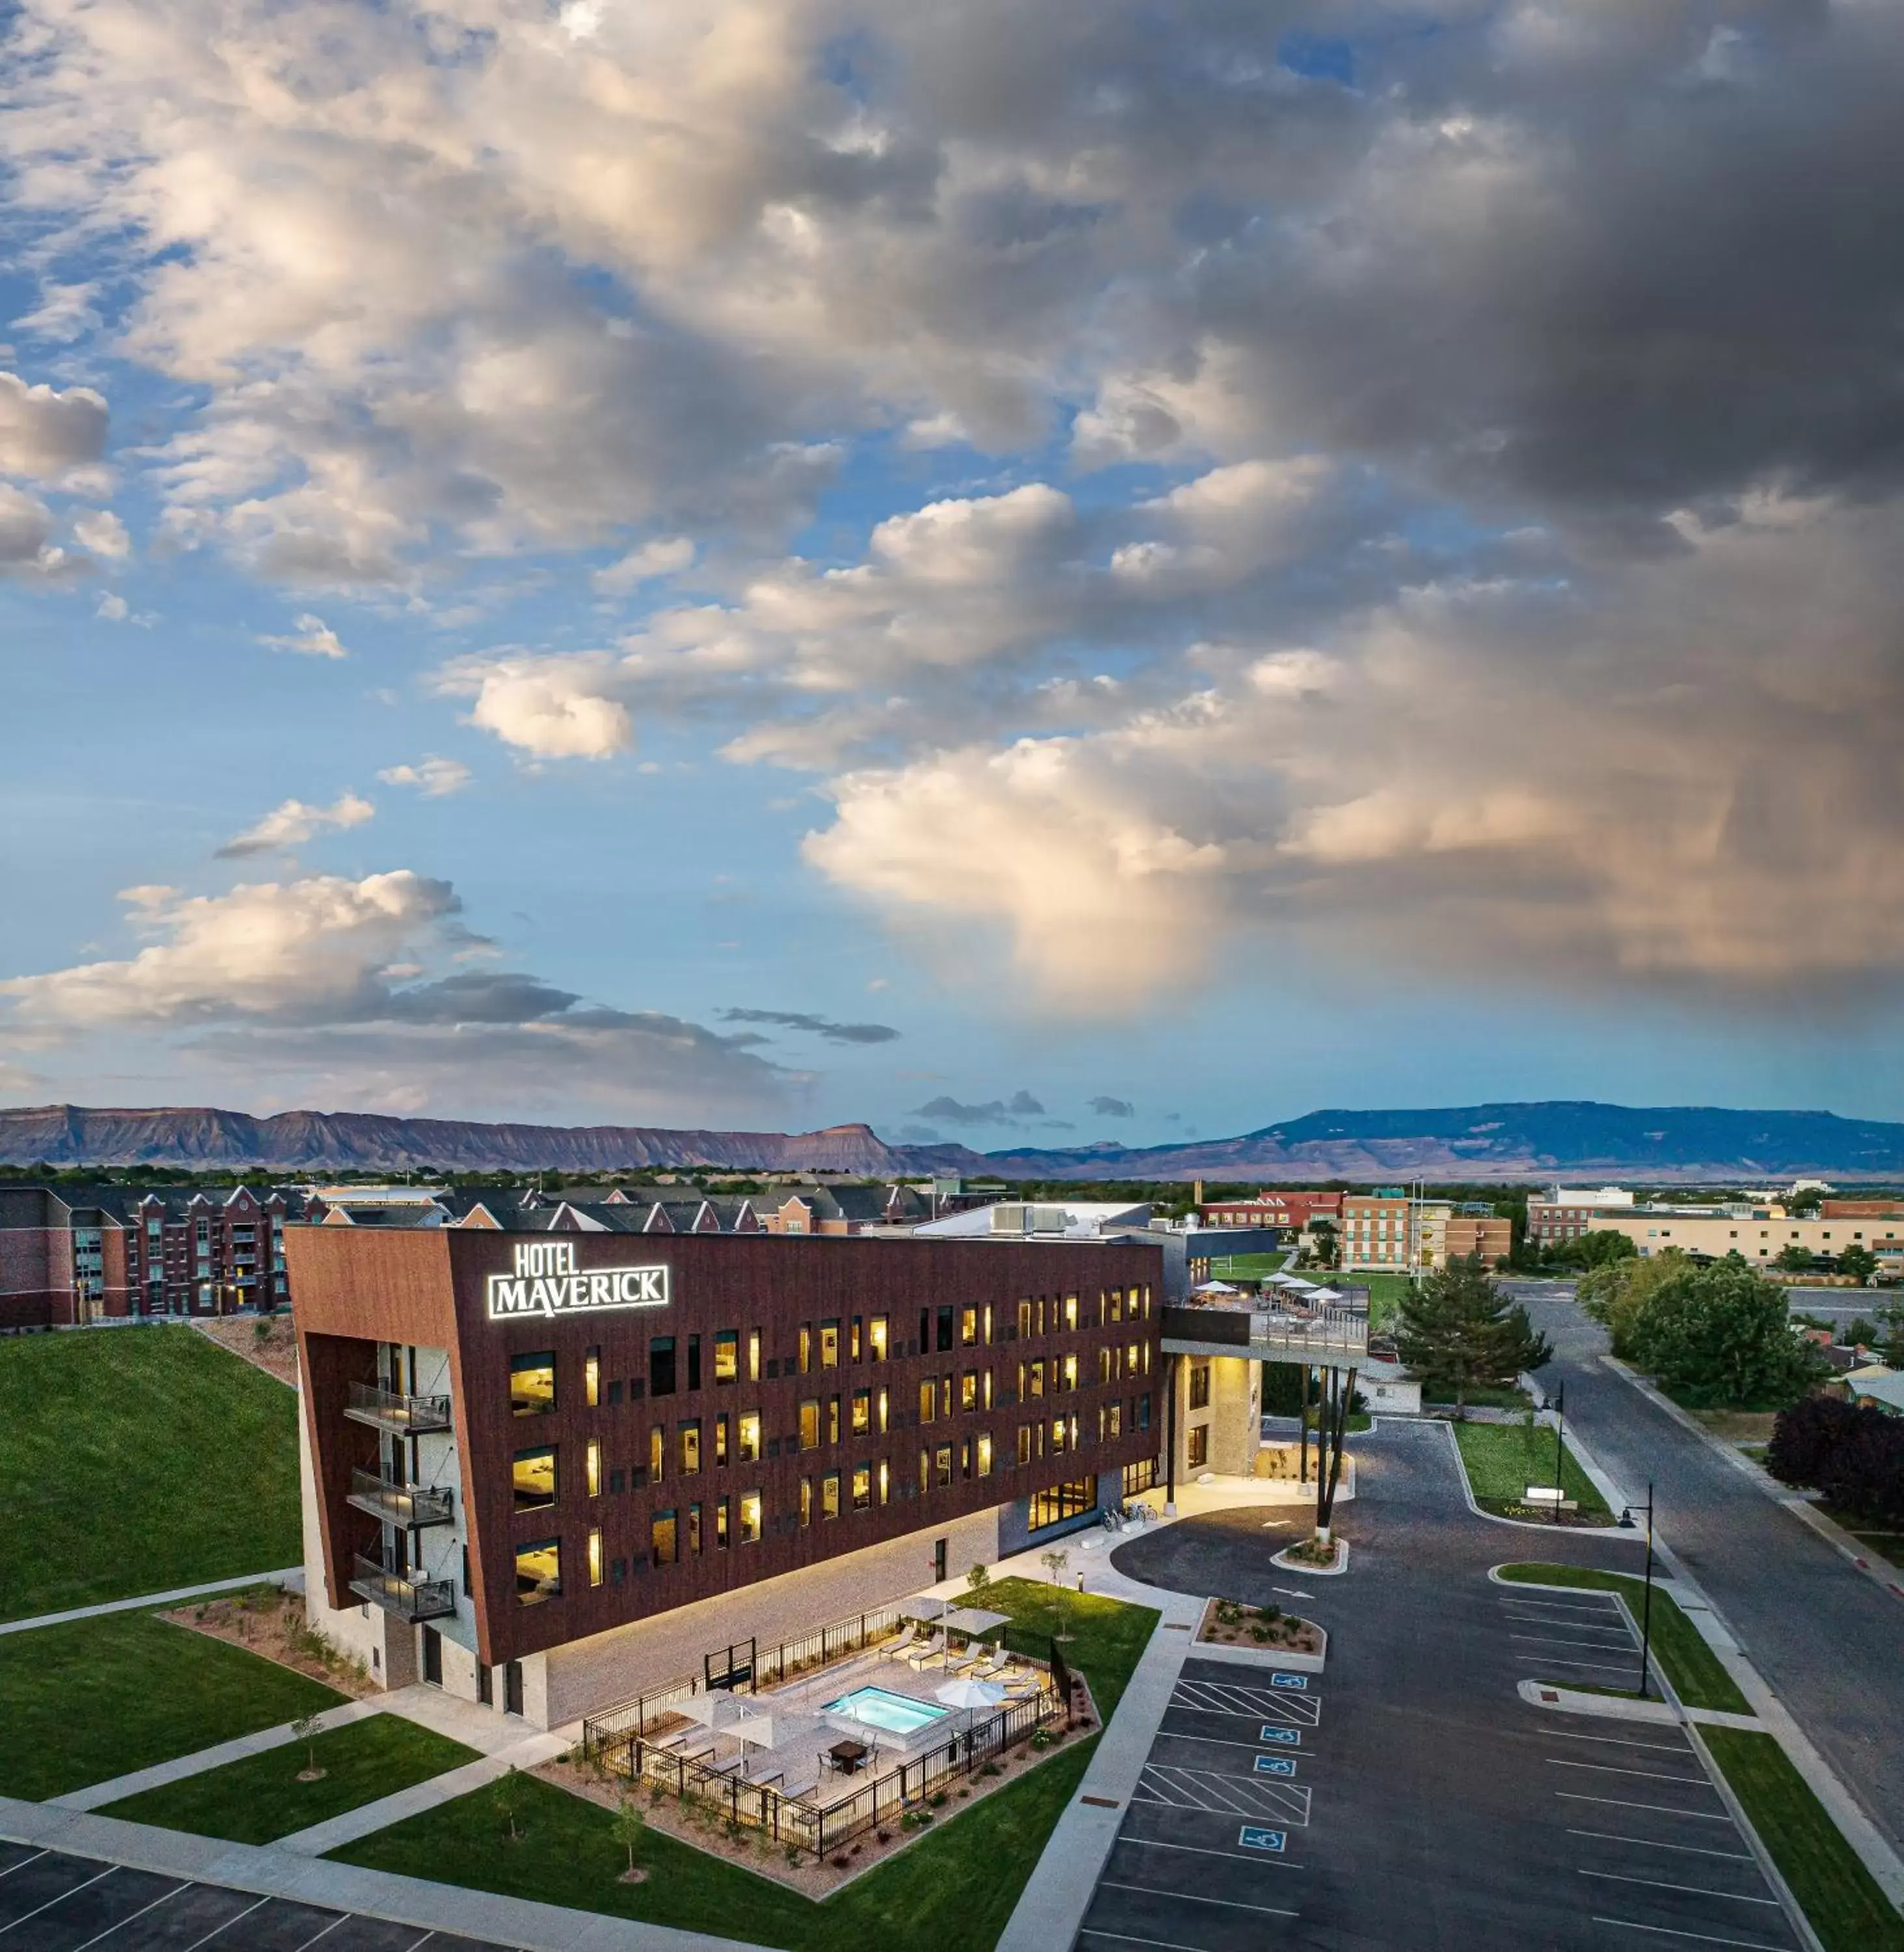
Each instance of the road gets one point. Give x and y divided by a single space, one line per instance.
1826 1640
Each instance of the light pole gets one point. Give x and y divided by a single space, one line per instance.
1560 1426
1646 1613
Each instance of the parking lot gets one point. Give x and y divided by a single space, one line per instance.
52 1902
1408 1797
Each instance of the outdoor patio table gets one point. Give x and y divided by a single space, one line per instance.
847 1756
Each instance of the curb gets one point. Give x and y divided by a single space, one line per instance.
1600 1482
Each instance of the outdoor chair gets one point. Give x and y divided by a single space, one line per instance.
958 1663
897 1649
931 1650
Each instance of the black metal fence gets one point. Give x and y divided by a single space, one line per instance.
801 1819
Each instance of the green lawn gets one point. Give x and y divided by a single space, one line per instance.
1503 1460
1847 1909
1253 1265
1690 1665
952 1890
99 1698
136 1460
259 1800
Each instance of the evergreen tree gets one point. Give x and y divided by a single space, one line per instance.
1458 1330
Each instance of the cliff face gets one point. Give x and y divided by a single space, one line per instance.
318 1141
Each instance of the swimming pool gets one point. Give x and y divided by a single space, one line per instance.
880 1708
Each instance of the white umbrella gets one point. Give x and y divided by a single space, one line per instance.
772 1727
718 1709
924 1607
965 1693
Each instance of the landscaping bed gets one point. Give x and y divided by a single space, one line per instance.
1502 1459
1691 1665
134 1461
1229 1623
270 1623
262 1797
99 1698
267 1342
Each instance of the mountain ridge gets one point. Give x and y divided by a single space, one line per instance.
1532 1140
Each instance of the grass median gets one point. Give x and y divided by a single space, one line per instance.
1502 1459
136 1461
1847 1909
260 1798
1692 1667
952 1890
96 1699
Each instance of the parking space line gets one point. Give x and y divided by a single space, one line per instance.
229 1922
1535 1611
1205 1851
1618 1741
1697 1890
1195 1898
1613 1768
22 1863
1215 1742
1129 1938
1654 1844
341 1918
1624 1645
1658 1809
1284 1802
1668 1931
139 1913
15 1924
1592 1666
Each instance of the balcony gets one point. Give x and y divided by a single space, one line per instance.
411 1505
409 1599
1335 1337
403 1417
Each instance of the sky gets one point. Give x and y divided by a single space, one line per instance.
1027 575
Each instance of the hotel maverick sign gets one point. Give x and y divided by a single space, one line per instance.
547 1282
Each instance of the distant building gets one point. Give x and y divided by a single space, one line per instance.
1271 1208
1472 1231
1564 1213
1756 1234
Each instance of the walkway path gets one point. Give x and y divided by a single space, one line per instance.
284 1575
272 1871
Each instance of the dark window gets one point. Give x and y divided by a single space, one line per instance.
945 1328
615 1480
467 1590
661 1365
637 1388
618 1571
614 1392
1196 1453
694 1531
1199 1385
693 1362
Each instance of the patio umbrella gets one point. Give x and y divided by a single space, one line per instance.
718 1710
965 1693
923 1607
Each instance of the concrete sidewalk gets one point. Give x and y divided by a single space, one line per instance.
98 1794
368 1818
287 1576
273 1872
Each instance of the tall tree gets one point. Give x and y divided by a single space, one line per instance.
1722 1334
1458 1330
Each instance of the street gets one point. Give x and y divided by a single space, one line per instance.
1828 1642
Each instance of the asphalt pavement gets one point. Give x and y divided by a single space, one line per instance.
1408 1797
1829 1642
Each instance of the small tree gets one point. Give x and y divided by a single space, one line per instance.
978 1581
304 1730
1858 1262
506 1799
1793 1259
630 1826
1054 1563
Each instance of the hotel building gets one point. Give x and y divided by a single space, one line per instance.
547 1469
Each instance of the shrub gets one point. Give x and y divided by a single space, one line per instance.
1855 1457
842 1862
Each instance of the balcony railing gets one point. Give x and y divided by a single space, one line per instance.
408 1416
411 1599
408 1505
1333 1337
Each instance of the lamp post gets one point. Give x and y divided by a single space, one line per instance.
1560 1425
1646 1613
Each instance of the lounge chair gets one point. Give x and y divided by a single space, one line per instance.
996 1662
959 1662
897 1649
930 1649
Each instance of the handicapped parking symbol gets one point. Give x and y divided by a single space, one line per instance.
1275 1765
1298 1681
1290 1738
1254 1839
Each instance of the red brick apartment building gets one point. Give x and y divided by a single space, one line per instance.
547 1470
1268 1208
74 1254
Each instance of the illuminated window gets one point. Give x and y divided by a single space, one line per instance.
945 1396
1117 1304
832 1419
862 1488
532 1384
593 1455
830 1495
750 1518
532 1473
1110 1420
829 1345
727 1355
664 1540
1070 1311
863 1412
1107 1364
1057 1435
594 1559
753 1356
1197 1452
968 1328
690 1448
805 1348
807 1501
928 1400
885 1481
1063 1501
721 1524
538 1572
810 1424
720 1439
746 1449
988 1324
856 1345
985 1455
1036 1382
592 1387
942 1466
693 1532
1070 1372
657 1453
1024 1318
883 1403
876 1338
1024 1443
969 1389
1199 1385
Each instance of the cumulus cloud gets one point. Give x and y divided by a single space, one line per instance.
821 1026
549 708
666 556
101 531
292 823
1112 1108
1013 1110
45 434
435 778
312 637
